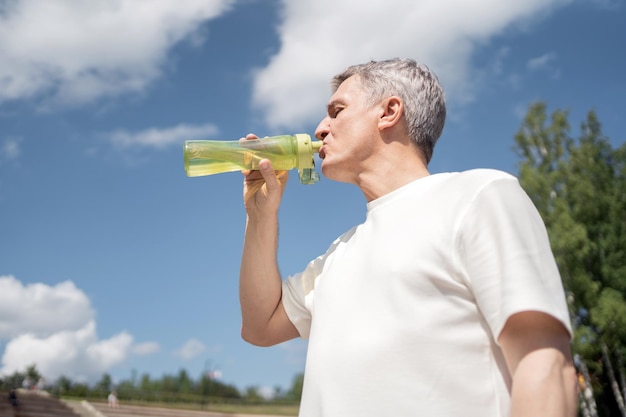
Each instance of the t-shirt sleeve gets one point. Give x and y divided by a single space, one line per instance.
298 292
506 255
299 289
293 299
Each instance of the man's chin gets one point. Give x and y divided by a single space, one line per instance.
329 170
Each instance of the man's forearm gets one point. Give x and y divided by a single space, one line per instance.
260 284
543 386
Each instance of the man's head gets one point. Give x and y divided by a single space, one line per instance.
416 85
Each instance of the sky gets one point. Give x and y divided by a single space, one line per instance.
113 261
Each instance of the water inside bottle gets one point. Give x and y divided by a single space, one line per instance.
214 157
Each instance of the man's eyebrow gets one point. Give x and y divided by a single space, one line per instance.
330 106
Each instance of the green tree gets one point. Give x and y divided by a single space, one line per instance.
33 374
185 384
295 391
13 381
64 384
211 387
105 385
579 187
145 384
126 390
253 395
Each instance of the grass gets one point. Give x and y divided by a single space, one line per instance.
261 409
253 409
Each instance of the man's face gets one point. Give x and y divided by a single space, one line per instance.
348 131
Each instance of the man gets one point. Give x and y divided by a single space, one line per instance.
112 399
446 301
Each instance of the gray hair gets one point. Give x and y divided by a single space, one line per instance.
416 85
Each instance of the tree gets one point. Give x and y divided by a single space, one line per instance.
146 383
13 381
105 385
185 384
295 391
579 187
62 386
32 373
169 388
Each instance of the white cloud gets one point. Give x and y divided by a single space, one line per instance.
160 138
80 51
315 44
266 392
191 349
545 63
499 58
53 327
147 348
540 62
76 354
28 308
10 149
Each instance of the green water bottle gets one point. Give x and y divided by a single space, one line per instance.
286 152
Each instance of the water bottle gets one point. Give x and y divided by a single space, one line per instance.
286 152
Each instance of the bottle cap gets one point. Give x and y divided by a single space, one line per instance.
305 148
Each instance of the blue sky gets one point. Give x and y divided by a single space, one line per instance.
112 260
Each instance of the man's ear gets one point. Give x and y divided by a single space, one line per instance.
392 109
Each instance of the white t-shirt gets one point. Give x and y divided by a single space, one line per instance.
403 311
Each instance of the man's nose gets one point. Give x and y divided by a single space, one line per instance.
322 129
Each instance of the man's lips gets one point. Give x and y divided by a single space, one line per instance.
322 153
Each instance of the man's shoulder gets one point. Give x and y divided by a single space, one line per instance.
475 179
485 175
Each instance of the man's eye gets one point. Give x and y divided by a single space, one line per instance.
336 111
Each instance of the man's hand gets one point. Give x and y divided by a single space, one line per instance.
263 189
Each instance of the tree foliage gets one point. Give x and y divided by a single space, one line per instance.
579 187
179 388
295 392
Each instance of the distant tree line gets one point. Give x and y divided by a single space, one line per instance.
179 388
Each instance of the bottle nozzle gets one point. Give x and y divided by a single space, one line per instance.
316 145
306 164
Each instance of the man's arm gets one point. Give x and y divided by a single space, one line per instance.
536 347
264 320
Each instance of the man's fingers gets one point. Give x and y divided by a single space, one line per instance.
249 136
273 179
269 175
252 187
